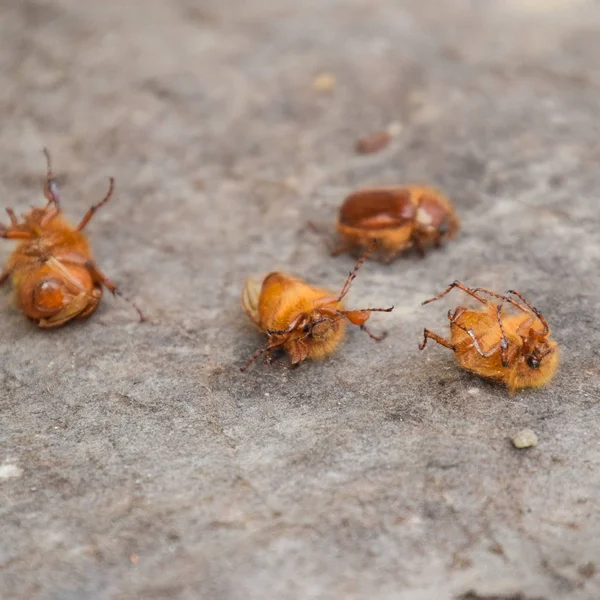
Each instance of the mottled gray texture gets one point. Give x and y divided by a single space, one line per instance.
382 472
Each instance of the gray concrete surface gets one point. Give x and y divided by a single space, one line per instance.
138 462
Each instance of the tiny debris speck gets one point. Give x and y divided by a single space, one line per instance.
324 82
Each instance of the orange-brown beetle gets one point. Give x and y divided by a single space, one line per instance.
514 349
53 273
305 321
398 218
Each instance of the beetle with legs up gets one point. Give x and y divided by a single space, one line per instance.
53 272
514 349
304 321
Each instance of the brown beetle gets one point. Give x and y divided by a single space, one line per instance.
53 272
399 218
304 321
515 349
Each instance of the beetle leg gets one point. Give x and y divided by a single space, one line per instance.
90 213
357 266
528 304
460 286
99 276
533 309
267 349
452 316
274 361
50 193
15 231
356 317
360 316
51 189
375 338
501 297
436 338
253 358
502 345
14 234
503 341
51 212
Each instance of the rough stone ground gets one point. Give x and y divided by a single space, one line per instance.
138 462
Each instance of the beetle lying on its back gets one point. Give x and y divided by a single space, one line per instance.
515 349
53 272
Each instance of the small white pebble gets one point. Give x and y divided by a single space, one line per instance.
8 471
473 391
525 439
